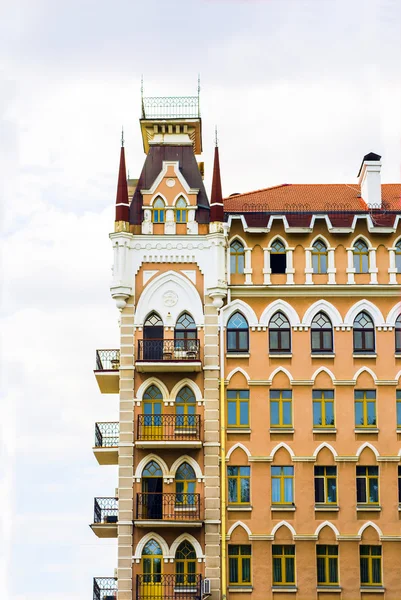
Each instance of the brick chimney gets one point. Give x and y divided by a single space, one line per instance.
370 180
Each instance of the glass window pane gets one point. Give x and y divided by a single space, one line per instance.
244 413
369 340
288 470
357 340
317 413
231 340
361 490
323 263
243 340
240 263
289 570
329 417
321 574
333 570
376 571
277 574
315 340
373 490
331 490
398 414
315 263
232 413
285 340
245 495
246 570
232 490
273 340
365 263
371 406
274 413
276 490
327 345
286 394
359 413
233 570
287 413
288 490
319 489
274 394
364 570
243 394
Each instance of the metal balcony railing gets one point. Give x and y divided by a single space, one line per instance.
104 588
107 360
107 435
169 427
168 587
168 507
168 350
105 510
170 107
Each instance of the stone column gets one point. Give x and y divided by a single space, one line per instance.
126 455
392 271
290 269
147 225
192 225
372 265
169 225
350 269
331 269
308 266
248 266
212 449
266 266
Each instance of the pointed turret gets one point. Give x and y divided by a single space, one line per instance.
216 199
122 202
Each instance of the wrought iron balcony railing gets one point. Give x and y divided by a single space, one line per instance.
169 427
107 360
107 435
170 107
168 587
104 588
105 510
168 350
168 507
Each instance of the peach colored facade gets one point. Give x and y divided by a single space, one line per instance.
259 433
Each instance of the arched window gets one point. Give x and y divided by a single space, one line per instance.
185 409
398 256
237 333
181 211
398 335
185 565
321 334
319 257
278 257
364 333
185 328
152 413
152 469
361 257
279 334
153 320
237 257
150 502
159 211
153 332
152 557
185 484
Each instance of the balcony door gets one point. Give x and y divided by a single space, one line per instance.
153 333
152 410
152 562
152 488
185 335
185 410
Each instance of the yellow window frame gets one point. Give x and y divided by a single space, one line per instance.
370 558
239 558
322 401
319 253
360 253
368 478
281 402
282 556
283 477
326 556
235 253
238 402
364 401
326 478
238 478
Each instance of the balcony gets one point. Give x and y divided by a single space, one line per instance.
104 588
168 587
168 510
176 355
105 517
107 371
169 431
106 443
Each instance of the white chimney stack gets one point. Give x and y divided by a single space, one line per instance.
370 180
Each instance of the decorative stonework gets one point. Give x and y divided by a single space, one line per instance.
170 298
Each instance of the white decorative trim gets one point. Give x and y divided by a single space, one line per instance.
280 306
281 445
142 464
243 308
363 369
370 524
189 538
237 370
283 524
322 306
367 306
191 461
182 383
325 445
323 370
163 173
145 539
147 383
367 445
238 445
326 524
282 370
393 314
238 524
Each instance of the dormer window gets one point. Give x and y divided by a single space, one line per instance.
181 211
159 211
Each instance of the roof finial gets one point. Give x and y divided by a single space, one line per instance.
215 136
122 136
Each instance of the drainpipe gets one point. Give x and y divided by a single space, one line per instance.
223 465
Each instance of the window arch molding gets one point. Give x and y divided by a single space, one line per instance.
149 382
192 462
146 459
237 238
280 239
281 445
325 445
325 307
326 524
367 445
283 524
363 238
147 538
158 196
280 306
187 537
235 447
373 525
186 383
364 306
239 524
321 238
184 197
393 315
323 370
241 307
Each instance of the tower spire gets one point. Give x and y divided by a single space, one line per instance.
216 198
122 202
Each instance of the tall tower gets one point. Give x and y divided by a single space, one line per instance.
169 281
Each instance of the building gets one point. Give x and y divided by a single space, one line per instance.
258 437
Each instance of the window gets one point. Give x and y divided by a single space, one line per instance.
364 333
185 565
185 483
239 479
327 565
279 334
398 396
326 485
278 258
238 408
185 411
159 211
365 408
237 333
283 565
398 335
323 408
398 256
399 485
239 564
280 408
367 485
181 211
237 257
321 334
361 257
152 559
371 565
282 485
319 257
184 332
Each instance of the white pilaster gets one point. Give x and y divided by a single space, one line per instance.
169 226
147 225
290 269
331 269
392 271
350 269
308 266
192 225
266 266
372 265
248 266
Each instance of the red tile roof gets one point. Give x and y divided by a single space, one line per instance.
310 198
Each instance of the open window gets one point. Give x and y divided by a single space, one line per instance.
278 258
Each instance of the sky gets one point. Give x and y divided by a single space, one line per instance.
300 90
